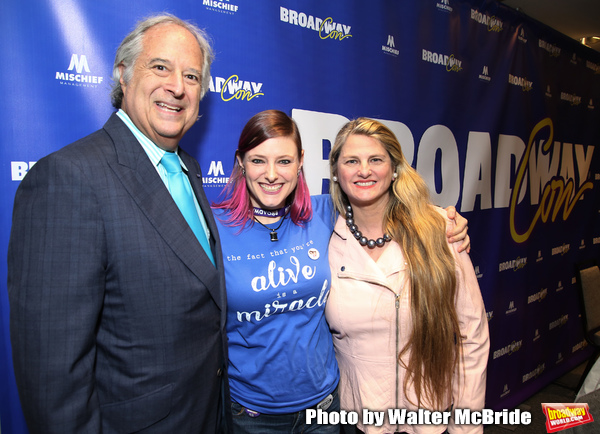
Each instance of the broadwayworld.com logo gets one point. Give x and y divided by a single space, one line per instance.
563 416
78 67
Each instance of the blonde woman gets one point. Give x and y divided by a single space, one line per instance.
406 313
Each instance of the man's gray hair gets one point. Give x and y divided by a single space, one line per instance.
131 47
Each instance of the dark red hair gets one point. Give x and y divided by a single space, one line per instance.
268 124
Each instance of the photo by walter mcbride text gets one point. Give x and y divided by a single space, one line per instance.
397 416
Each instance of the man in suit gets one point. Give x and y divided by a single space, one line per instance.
117 312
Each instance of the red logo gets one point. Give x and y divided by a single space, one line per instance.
563 416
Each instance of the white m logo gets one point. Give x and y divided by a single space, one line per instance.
216 168
391 41
79 63
485 70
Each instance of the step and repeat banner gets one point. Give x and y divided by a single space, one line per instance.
500 114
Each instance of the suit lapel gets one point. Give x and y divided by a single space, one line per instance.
195 177
143 183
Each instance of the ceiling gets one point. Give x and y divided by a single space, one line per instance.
575 18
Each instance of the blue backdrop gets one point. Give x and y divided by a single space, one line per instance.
499 113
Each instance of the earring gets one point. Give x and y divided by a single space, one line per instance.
243 171
334 179
395 175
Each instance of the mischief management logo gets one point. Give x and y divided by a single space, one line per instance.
444 6
485 74
390 47
220 6
216 175
78 73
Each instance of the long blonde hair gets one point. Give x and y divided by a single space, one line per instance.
434 345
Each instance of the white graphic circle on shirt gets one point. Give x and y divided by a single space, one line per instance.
313 254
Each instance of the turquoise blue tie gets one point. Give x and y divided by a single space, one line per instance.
183 196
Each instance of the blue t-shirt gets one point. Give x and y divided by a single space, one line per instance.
281 355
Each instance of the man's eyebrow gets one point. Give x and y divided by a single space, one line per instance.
161 60
195 71
158 59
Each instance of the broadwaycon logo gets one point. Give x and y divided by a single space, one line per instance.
450 62
233 88
327 28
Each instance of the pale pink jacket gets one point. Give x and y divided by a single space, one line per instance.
368 310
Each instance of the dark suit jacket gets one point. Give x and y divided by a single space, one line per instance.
117 315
